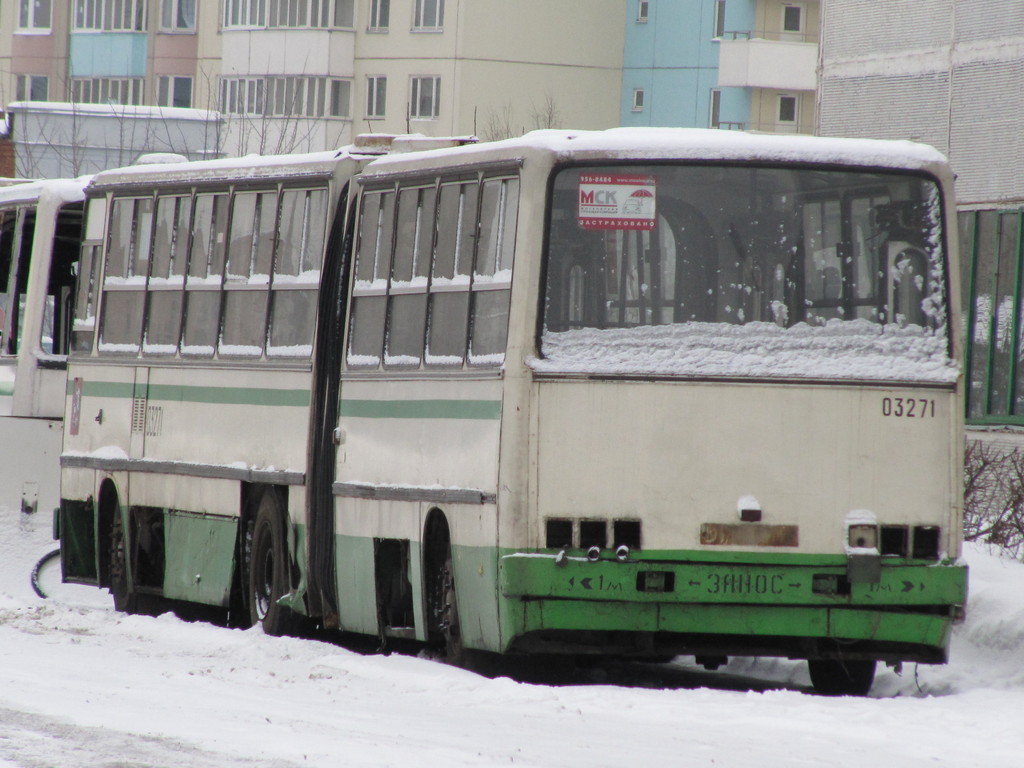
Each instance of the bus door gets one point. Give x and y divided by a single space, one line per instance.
16 230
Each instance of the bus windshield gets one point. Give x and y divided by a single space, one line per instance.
762 271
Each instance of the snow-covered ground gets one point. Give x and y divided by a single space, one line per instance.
81 685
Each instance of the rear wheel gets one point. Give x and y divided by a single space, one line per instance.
125 599
268 569
839 677
122 588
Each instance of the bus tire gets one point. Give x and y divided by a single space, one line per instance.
126 599
268 569
842 677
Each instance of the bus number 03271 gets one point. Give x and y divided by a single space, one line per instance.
908 407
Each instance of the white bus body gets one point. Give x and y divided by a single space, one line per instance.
40 224
636 392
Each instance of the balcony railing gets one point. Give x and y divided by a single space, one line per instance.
763 34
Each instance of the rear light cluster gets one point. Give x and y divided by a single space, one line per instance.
920 542
563 533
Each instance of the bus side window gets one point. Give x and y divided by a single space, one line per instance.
246 280
65 253
7 268
205 276
448 305
85 300
303 222
166 279
492 276
84 326
407 293
369 293
124 281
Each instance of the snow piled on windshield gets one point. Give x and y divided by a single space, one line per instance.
857 349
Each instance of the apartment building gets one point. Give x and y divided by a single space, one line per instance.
739 64
130 52
949 73
303 75
488 67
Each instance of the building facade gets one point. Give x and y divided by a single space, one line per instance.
738 64
949 73
305 75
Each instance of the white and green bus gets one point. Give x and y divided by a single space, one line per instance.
632 392
40 244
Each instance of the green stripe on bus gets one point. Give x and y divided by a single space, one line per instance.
422 409
230 395
104 388
6 388
192 394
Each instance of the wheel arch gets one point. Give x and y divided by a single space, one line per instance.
436 547
107 506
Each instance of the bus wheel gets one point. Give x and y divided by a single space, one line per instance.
455 653
838 677
125 599
268 569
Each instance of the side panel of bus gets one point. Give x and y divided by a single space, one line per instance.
193 410
38 257
420 417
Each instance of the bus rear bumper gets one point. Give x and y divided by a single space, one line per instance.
800 610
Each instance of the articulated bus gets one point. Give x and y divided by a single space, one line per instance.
40 244
634 393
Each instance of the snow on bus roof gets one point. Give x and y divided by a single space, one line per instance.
250 166
693 144
65 190
255 166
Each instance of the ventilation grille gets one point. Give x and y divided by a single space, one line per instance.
138 414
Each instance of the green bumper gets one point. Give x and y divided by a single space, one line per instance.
910 604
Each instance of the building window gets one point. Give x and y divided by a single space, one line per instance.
429 14
719 18
178 15
344 12
173 91
341 97
787 109
715 117
34 14
792 18
260 14
643 10
380 15
111 15
376 95
285 96
424 98
107 90
638 99
32 88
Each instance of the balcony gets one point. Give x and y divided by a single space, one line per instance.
784 64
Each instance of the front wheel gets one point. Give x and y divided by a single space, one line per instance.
838 677
268 569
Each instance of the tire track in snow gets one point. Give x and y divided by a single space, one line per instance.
36 741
